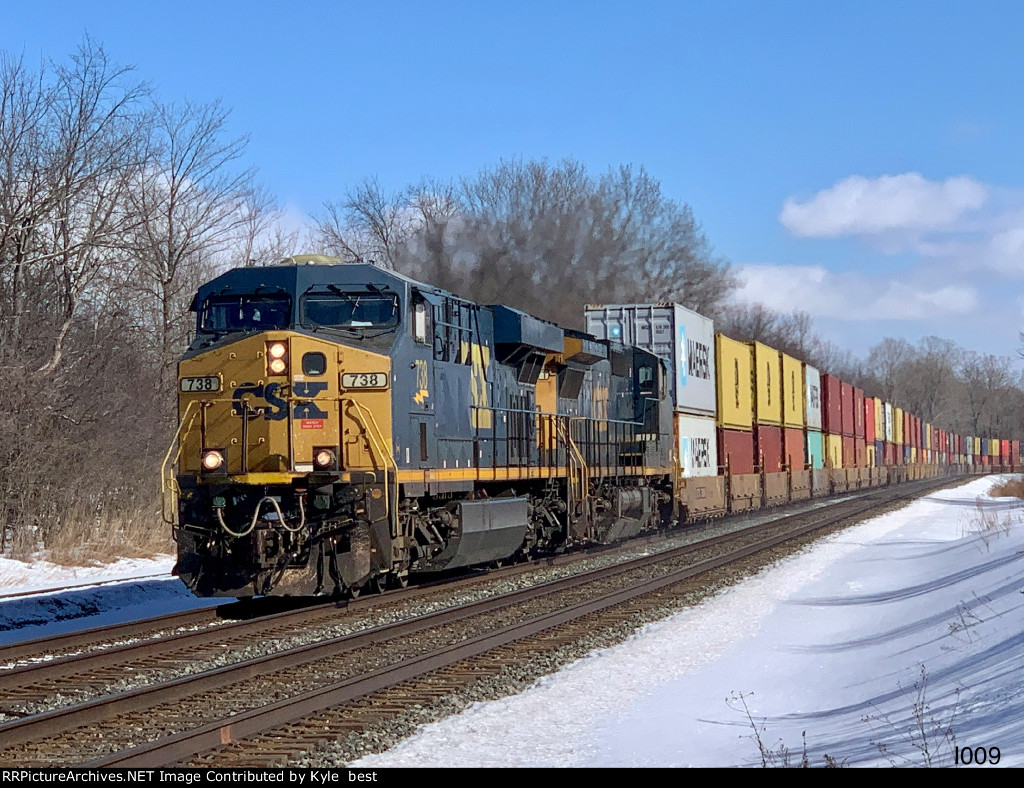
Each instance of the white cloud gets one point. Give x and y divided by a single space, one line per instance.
874 206
851 296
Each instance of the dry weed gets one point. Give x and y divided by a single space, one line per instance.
1012 488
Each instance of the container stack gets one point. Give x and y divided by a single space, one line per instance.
860 456
767 407
813 440
684 340
832 420
870 430
794 452
849 419
735 405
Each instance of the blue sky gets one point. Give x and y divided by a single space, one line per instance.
858 160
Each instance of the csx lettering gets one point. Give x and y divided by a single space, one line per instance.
277 407
698 359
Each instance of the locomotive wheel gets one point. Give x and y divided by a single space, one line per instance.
379 584
399 580
354 592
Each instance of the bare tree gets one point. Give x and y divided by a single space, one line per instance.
193 204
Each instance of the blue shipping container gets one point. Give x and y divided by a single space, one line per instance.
815 449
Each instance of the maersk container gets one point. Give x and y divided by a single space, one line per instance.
815 449
697 445
889 432
812 397
684 339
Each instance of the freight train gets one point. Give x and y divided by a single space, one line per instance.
343 427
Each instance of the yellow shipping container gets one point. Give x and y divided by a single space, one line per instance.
993 447
733 369
767 384
871 456
897 426
793 411
913 454
834 450
879 419
927 431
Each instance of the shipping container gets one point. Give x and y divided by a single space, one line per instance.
928 429
831 407
833 450
860 453
890 454
681 337
736 450
984 447
794 452
767 385
879 453
849 452
697 445
815 449
858 414
888 423
846 397
735 400
1004 452
872 460
793 410
812 398
897 427
768 447
1015 453
869 420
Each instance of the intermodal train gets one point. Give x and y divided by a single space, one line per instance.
343 427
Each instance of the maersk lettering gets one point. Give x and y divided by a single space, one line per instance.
699 359
700 453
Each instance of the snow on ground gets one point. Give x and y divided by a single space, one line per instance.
841 642
124 590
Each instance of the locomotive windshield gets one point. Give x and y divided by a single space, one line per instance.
350 310
227 314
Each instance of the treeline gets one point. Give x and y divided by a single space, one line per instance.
115 206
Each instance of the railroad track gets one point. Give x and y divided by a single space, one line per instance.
276 703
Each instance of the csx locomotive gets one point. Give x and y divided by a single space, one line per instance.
342 426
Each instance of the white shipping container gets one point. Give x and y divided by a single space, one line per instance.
681 337
697 446
887 422
812 397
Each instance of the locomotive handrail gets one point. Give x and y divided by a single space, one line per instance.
168 482
382 448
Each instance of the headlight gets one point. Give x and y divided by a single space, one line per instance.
325 459
213 460
277 358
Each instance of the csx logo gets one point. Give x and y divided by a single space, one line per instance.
276 408
698 360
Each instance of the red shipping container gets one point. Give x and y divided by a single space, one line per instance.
1004 452
860 451
1015 452
847 408
794 448
858 413
869 419
768 447
890 454
849 452
831 410
736 447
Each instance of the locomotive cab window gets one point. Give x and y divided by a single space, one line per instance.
226 314
350 310
646 380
